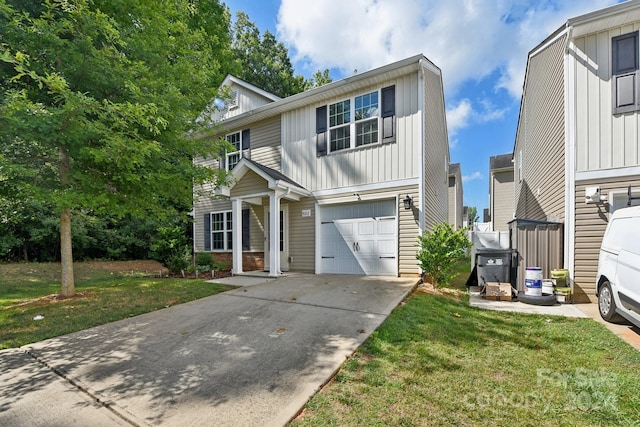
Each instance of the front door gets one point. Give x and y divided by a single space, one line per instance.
284 238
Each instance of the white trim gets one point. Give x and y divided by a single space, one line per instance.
366 187
538 49
317 240
239 82
236 236
608 173
570 159
421 172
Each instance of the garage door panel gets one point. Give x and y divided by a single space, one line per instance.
359 239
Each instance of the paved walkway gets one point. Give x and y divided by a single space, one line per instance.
251 356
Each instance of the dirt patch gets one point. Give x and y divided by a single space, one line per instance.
50 299
428 288
125 266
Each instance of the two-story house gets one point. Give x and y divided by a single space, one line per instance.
339 179
577 148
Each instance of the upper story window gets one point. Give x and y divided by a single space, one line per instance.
365 119
624 73
362 130
232 103
233 157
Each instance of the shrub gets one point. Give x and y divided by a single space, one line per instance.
439 250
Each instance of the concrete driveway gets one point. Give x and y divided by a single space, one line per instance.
251 356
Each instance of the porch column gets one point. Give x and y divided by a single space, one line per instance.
274 234
236 214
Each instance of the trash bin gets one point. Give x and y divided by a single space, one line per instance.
493 265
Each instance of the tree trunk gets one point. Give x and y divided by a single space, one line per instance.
67 287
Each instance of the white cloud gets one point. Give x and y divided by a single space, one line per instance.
467 39
458 116
465 114
473 177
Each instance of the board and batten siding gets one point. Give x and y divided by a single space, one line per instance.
603 140
436 152
265 142
591 222
362 165
540 137
502 200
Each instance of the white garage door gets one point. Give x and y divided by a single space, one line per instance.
359 238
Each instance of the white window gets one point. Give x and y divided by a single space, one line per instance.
354 122
233 157
221 231
232 103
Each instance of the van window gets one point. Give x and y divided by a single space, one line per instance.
624 233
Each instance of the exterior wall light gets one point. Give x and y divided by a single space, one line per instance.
407 202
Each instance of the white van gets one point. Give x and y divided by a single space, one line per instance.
618 278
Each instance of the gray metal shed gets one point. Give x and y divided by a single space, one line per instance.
537 244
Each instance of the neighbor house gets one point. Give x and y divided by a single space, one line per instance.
353 170
456 211
577 148
501 190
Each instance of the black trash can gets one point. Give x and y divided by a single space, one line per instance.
493 265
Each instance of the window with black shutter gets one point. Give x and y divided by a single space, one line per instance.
624 73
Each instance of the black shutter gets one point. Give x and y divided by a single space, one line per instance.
388 95
246 144
321 131
207 232
624 72
246 242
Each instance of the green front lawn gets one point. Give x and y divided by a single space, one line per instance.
437 361
102 296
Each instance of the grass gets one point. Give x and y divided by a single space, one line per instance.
103 296
437 361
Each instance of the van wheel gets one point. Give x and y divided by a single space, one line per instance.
607 305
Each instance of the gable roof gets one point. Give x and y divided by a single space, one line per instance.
275 180
230 79
502 161
338 88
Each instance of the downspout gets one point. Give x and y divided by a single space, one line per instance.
570 156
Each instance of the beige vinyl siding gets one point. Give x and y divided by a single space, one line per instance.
541 138
247 100
363 165
265 142
591 222
256 226
603 140
455 201
502 200
408 232
452 201
436 152
250 183
206 206
302 236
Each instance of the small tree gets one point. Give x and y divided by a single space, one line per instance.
439 249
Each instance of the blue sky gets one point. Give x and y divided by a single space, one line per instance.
480 45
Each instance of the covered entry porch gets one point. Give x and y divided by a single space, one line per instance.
264 189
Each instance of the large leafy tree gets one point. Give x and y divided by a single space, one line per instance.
97 102
264 61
